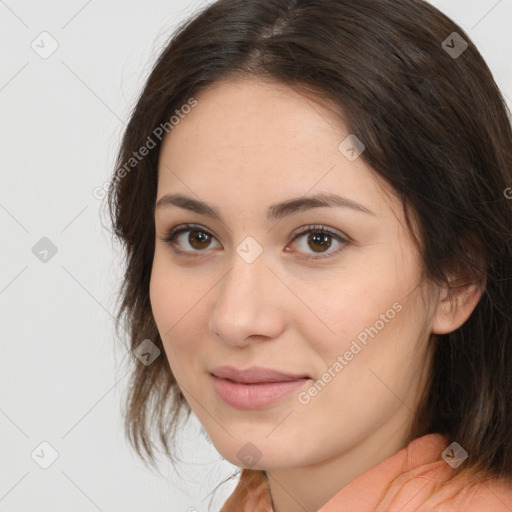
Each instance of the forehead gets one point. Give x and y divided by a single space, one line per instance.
261 140
251 115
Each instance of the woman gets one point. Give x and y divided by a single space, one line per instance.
318 240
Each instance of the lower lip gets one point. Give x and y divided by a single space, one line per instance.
254 396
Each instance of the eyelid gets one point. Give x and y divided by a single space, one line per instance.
319 227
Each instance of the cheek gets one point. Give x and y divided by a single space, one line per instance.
345 311
373 307
170 293
177 303
168 302
379 337
161 295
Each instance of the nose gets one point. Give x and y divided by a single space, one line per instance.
249 304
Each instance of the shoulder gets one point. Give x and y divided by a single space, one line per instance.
425 482
435 490
474 495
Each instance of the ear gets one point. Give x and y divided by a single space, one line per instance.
455 304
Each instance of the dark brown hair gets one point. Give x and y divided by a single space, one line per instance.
436 129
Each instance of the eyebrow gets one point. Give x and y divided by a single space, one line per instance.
275 212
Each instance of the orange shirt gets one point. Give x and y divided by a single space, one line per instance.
415 479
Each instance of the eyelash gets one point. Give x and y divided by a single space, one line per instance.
174 232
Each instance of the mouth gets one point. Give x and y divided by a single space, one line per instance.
255 375
255 388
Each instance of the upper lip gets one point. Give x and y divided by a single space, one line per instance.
254 374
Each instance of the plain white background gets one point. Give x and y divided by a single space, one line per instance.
61 122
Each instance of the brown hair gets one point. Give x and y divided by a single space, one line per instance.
436 128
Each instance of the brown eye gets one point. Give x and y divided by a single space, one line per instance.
199 239
319 242
190 238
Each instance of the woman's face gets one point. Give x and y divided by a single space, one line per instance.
266 286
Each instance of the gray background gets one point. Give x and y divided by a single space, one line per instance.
60 375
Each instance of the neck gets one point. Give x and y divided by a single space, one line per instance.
307 489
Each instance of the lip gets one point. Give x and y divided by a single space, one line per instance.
256 387
255 375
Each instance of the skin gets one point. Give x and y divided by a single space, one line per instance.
249 144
